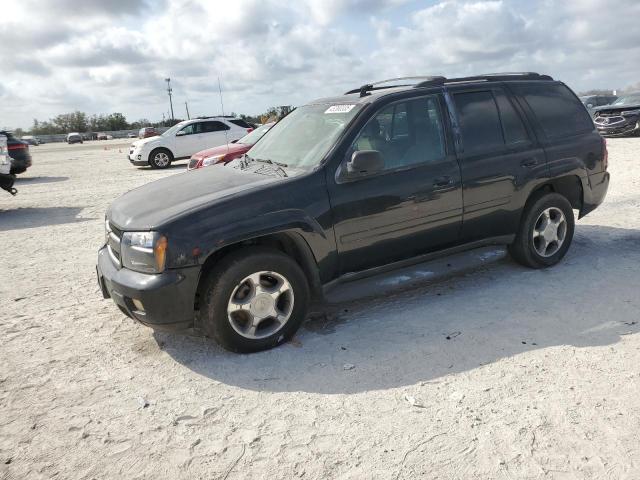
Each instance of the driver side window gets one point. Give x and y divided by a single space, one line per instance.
191 129
405 133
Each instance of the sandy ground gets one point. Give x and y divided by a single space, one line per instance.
495 372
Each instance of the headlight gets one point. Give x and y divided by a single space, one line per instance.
212 160
630 112
144 251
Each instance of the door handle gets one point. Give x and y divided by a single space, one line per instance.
529 162
442 182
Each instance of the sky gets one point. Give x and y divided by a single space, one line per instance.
102 56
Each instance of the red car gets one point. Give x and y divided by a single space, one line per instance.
226 153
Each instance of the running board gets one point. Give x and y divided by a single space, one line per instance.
353 276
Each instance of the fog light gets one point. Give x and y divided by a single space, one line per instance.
138 304
139 157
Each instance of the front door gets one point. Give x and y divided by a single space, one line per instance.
189 140
414 205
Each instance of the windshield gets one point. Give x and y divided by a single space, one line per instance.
173 130
628 100
253 137
302 138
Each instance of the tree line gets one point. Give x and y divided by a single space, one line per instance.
81 122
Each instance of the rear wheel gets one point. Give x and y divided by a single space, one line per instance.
160 158
255 299
545 233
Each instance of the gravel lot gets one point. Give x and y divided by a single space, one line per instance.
491 372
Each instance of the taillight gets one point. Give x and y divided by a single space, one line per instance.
249 130
18 146
605 154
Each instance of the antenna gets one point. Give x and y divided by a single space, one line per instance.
226 138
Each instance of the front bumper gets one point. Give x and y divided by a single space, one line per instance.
137 158
167 298
619 130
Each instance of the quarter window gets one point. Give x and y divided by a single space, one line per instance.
559 112
406 133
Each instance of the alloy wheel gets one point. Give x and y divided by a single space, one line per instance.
549 232
260 305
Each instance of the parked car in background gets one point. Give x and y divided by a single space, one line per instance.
74 138
226 153
19 153
131 135
6 179
621 118
104 136
146 132
352 186
31 140
183 140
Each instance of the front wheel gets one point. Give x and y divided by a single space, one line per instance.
545 233
254 299
160 158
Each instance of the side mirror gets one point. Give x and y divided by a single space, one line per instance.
234 141
365 162
181 133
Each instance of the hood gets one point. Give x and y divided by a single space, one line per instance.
230 149
617 108
159 202
144 141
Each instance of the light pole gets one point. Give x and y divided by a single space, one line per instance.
187 107
168 80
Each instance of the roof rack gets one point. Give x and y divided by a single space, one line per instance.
432 81
364 89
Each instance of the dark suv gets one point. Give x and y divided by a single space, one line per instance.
348 186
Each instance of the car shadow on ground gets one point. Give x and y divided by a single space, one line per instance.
33 217
35 180
173 166
443 327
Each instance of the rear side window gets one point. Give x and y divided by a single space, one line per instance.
479 121
215 126
512 126
240 123
559 112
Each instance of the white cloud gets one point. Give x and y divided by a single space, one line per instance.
105 56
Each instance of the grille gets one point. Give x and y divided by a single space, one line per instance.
114 237
609 119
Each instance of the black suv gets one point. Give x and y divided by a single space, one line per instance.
348 186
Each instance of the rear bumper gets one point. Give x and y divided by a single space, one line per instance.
167 298
594 188
20 164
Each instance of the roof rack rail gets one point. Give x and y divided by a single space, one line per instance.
364 89
488 77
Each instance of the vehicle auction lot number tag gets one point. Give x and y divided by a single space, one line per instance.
339 109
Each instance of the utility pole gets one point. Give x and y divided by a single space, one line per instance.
169 90
187 107
163 119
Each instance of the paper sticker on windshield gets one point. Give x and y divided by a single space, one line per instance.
339 109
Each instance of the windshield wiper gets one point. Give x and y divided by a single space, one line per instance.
271 162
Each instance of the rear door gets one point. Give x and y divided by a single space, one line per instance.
414 205
215 133
498 156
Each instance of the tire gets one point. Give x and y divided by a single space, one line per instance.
534 246
160 158
228 285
